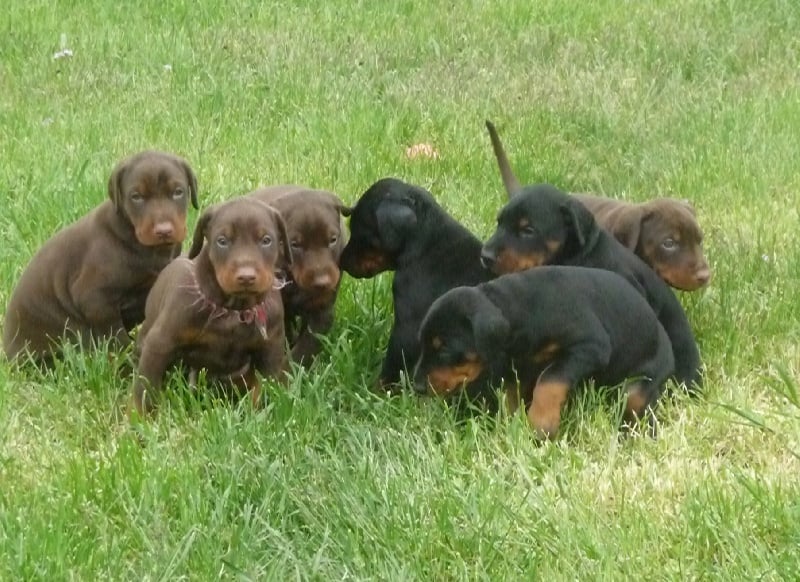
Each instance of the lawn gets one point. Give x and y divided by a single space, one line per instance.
697 99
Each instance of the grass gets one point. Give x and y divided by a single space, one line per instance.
693 98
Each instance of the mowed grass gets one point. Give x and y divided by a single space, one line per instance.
694 99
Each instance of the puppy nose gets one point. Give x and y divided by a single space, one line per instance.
487 259
246 276
322 281
164 230
703 276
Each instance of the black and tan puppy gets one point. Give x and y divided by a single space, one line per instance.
314 227
399 227
549 329
219 309
664 233
90 281
541 225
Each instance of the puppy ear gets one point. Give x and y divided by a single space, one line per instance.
200 231
628 227
580 221
395 221
192 182
340 206
490 328
286 249
115 183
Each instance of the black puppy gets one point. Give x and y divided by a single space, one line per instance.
555 327
399 226
541 225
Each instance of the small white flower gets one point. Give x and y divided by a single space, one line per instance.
167 68
63 53
765 258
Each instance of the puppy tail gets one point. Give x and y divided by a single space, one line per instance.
509 179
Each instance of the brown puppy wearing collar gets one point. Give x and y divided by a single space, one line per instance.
313 221
219 309
90 280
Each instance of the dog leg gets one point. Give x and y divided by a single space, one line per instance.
562 375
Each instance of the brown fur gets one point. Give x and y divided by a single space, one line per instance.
219 309
664 233
91 279
314 227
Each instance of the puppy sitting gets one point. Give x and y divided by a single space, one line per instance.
663 232
400 227
554 327
314 227
541 225
219 309
91 279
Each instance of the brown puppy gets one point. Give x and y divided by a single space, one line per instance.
664 233
314 227
91 279
220 308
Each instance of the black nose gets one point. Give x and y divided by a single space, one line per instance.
487 259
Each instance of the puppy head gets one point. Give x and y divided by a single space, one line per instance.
381 223
314 229
665 233
152 191
536 227
245 240
461 336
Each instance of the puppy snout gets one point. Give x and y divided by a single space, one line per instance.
488 259
703 276
420 381
246 276
421 386
164 230
322 281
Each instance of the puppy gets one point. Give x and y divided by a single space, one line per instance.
314 227
541 225
90 281
551 328
219 309
664 233
399 227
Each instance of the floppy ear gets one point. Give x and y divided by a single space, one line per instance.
490 328
115 183
395 220
200 231
510 181
628 226
192 182
339 205
286 249
580 221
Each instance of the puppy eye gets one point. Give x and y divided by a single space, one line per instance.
178 193
527 231
333 241
295 245
669 244
223 242
266 241
136 197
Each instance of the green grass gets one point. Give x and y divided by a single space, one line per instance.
692 98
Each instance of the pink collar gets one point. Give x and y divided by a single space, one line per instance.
256 314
